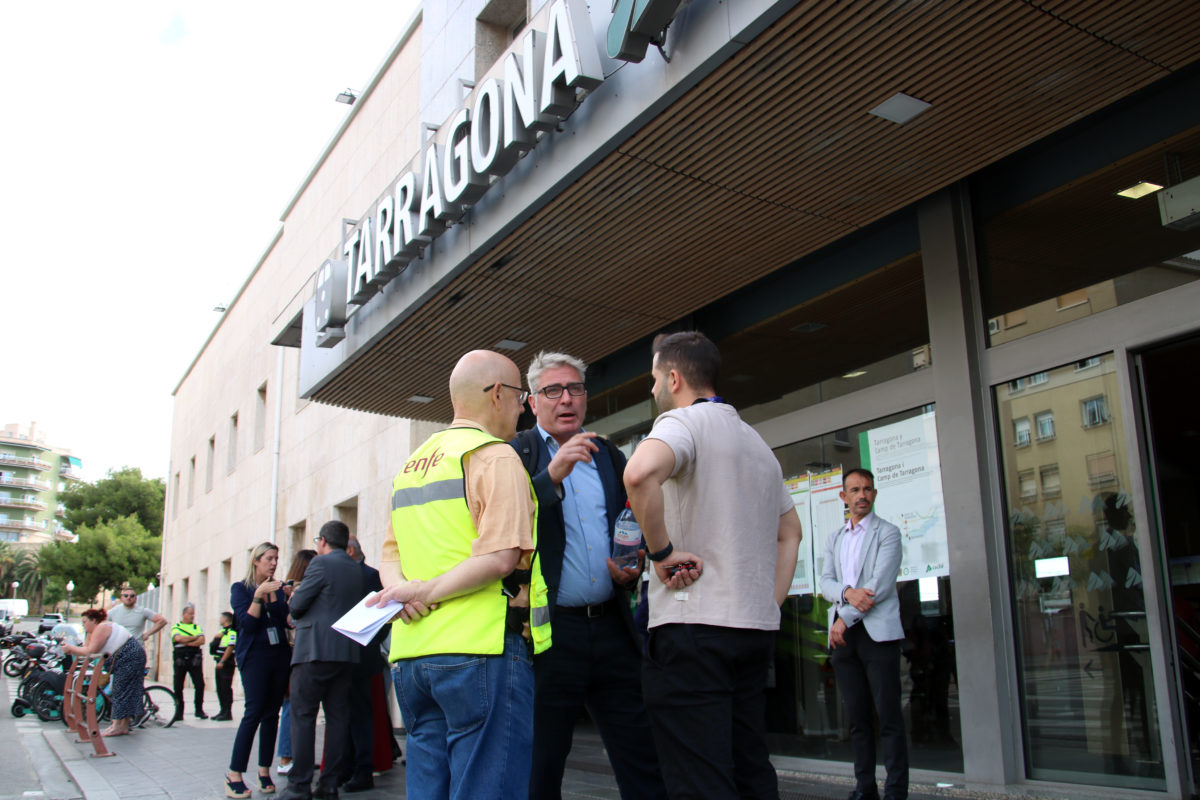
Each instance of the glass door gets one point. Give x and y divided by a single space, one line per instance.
1082 640
1170 386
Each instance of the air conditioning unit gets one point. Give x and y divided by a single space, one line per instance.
1179 205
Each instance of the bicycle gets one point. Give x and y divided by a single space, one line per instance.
160 707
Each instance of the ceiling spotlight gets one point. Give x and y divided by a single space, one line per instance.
1139 189
509 344
420 398
858 373
347 97
220 307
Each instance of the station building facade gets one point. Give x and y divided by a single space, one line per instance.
957 242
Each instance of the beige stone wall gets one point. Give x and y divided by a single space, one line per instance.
332 463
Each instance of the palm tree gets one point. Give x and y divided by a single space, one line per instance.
8 558
28 571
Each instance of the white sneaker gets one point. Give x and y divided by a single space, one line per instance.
284 769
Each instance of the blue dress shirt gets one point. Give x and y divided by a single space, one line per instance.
585 578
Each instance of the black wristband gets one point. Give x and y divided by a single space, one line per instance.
661 554
259 600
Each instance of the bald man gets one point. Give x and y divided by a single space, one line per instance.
463 514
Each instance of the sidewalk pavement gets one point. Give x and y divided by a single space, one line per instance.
188 760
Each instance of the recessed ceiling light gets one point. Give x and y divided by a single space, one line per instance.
509 344
420 398
899 108
855 374
1139 189
808 327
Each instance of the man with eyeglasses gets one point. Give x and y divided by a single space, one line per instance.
133 618
595 662
459 559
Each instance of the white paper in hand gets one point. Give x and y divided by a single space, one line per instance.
362 622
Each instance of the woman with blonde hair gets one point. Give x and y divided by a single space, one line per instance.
126 666
264 660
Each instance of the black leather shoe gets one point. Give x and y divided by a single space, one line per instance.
223 718
325 794
292 793
201 715
859 795
360 783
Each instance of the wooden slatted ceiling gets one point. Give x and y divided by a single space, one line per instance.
770 158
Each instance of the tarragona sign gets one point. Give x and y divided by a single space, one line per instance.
482 141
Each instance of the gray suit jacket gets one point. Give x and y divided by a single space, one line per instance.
878 571
332 585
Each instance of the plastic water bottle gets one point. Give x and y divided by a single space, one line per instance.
627 539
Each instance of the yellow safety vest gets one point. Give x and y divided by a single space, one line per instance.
434 532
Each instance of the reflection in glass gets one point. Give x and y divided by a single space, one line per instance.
804 708
1080 248
1086 687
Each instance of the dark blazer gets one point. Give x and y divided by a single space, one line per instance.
372 661
332 585
552 532
252 631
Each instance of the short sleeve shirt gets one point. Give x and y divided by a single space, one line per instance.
131 619
722 502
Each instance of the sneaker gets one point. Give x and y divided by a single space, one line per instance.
284 769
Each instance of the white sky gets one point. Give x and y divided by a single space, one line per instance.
147 150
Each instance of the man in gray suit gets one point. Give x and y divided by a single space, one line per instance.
322 662
862 561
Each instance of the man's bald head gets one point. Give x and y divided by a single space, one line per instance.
495 410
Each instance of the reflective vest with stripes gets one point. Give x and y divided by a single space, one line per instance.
434 532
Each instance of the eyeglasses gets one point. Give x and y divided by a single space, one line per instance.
317 539
555 390
524 394
128 596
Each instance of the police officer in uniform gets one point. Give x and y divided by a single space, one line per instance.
189 658
222 648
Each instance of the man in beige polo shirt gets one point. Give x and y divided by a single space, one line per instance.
723 533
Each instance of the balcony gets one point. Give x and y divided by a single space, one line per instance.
24 483
23 502
63 535
70 473
60 511
23 461
21 525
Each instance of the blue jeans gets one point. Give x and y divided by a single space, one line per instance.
285 730
470 724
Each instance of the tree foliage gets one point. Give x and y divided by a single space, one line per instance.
108 554
121 493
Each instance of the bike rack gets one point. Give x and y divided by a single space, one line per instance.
92 730
71 708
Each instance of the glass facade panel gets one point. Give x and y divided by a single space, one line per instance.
1087 692
1081 248
804 707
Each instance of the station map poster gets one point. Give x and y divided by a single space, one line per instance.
821 513
803 581
904 458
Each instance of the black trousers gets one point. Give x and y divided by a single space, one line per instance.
225 686
592 664
195 668
319 684
361 736
705 693
868 678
